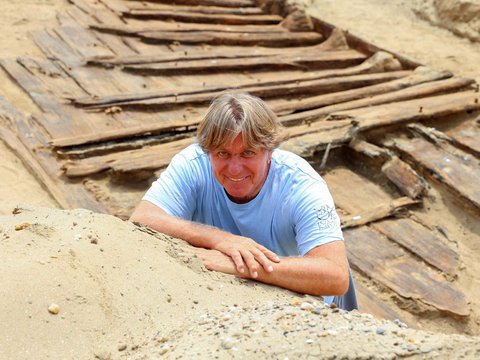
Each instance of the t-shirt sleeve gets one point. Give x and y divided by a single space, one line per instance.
176 189
315 218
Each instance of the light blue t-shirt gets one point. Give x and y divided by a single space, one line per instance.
292 214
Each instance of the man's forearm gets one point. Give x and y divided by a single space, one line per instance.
323 271
196 234
245 253
314 276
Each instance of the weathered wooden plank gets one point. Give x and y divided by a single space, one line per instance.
404 177
150 158
327 59
378 258
467 135
420 241
370 150
331 103
83 41
224 3
54 48
378 212
430 108
460 175
197 9
159 26
274 39
198 17
29 145
58 120
205 95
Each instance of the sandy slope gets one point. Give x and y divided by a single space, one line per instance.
124 292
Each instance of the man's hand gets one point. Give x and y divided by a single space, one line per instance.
246 254
216 261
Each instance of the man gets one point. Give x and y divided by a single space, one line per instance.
243 202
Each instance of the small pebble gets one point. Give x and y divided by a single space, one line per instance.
381 331
228 343
53 309
22 226
306 306
163 349
122 347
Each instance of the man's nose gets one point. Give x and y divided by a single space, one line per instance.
234 165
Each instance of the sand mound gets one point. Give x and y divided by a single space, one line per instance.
462 17
127 292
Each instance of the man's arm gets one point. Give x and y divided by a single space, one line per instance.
322 271
245 253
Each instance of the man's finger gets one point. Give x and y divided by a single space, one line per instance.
238 261
252 263
270 254
264 261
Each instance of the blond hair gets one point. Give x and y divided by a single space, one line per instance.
231 114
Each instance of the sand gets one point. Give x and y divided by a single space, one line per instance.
80 285
123 292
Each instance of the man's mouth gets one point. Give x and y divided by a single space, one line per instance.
236 179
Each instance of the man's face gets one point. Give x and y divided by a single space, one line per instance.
240 170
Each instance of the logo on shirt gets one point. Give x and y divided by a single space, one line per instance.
327 217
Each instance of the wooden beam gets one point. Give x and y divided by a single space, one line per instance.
379 212
199 17
273 39
325 60
466 135
29 144
430 108
151 158
378 258
224 3
458 175
404 177
364 97
420 241
268 89
145 6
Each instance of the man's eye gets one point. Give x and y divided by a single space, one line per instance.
222 154
248 153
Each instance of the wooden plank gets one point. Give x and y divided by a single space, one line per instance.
197 8
370 150
325 60
378 212
273 39
55 48
29 145
466 135
150 158
378 258
198 17
422 242
459 175
404 177
160 26
430 108
59 122
331 103
224 3
83 41
205 95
